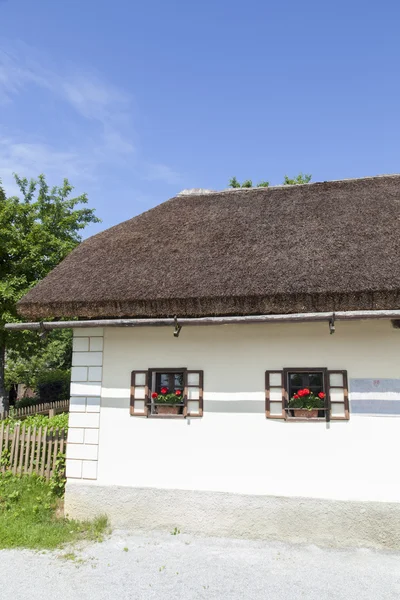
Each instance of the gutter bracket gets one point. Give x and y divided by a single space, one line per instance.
178 327
332 324
43 333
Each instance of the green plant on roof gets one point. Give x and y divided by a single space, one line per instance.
300 179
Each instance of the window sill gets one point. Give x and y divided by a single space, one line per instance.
305 420
166 417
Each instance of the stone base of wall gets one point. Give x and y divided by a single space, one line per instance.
305 520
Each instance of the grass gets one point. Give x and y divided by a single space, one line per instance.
28 517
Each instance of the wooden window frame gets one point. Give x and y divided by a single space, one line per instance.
148 391
345 389
268 393
326 409
285 372
153 371
201 391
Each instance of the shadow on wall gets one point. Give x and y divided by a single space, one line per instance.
234 359
210 406
233 381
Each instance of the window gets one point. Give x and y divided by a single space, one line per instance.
326 397
312 380
167 393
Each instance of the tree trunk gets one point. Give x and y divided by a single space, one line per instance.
3 393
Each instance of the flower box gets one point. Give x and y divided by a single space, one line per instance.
303 413
169 409
167 403
306 405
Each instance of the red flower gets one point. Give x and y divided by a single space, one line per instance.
300 393
164 390
178 392
154 395
306 391
296 396
321 395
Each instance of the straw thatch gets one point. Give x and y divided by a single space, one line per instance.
316 247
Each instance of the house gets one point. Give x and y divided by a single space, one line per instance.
199 321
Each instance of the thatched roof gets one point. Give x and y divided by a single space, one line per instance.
316 247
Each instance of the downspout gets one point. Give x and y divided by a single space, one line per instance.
330 317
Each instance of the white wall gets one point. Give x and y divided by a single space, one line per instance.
234 448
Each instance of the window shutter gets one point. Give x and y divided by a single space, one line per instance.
139 393
338 395
274 395
194 393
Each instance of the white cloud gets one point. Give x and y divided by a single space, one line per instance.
15 74
86 93
160 172
93 100
31 159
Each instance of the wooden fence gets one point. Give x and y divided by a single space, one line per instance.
45 408
27 450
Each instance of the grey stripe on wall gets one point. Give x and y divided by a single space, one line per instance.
369 405
375 385
378 405
375 407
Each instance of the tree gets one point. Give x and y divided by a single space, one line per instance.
37 230
299 179
29 359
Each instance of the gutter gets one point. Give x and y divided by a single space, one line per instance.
331 317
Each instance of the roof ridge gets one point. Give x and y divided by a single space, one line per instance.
207 192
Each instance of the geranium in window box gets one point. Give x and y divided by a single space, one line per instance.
306 404
168 403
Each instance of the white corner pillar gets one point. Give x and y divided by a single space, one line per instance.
84 415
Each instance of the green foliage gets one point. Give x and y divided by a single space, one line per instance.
32 356
5 457
37 230
233 183
307 402
27 401
50 386
247 183
299 179
58 421
53 385
170 398
28 509
58 480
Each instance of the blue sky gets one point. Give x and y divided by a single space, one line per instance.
135 101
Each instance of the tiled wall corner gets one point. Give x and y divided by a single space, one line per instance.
84 416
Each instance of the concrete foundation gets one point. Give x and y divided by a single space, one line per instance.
303 520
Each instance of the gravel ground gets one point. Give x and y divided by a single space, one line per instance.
169 567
